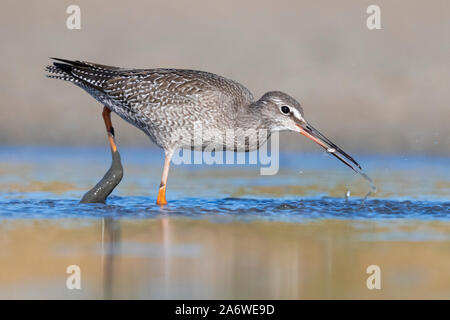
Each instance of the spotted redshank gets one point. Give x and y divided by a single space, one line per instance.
165 102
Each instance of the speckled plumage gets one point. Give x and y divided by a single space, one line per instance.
168 104
190 109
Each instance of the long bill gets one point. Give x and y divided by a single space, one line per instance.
314 134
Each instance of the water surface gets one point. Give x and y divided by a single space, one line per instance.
227 232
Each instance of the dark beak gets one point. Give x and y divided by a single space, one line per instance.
323 141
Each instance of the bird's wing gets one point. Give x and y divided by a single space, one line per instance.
133 87
149 93
175 87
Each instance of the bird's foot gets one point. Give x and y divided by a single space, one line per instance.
161 196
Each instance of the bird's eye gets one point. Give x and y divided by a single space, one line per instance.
285 109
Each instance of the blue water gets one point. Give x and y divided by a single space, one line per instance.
47 182
227 208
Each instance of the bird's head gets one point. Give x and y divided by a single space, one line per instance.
281 112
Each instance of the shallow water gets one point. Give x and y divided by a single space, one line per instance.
227 232
228 209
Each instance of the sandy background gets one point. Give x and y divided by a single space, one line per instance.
370 91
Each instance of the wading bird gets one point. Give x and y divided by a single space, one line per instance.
161 102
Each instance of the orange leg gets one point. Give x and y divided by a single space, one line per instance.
162 187
109 128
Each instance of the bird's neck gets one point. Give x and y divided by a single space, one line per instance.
250 117
251 126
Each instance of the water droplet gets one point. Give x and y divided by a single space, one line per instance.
373 189
347 194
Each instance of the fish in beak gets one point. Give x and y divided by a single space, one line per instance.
310 132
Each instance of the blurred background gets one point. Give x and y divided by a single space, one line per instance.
374 91
228 232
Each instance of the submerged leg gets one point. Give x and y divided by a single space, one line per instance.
113 176
162 187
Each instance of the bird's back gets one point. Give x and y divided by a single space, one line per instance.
159 101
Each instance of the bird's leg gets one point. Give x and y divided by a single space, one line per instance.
162 187
113 176
109 128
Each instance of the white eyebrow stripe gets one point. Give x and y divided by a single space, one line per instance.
297 114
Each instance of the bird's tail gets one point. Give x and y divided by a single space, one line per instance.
80 72
61 71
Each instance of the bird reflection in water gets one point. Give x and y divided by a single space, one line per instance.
110 247
111 250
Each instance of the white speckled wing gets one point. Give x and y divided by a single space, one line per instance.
161 102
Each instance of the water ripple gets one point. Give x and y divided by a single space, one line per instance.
227 208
